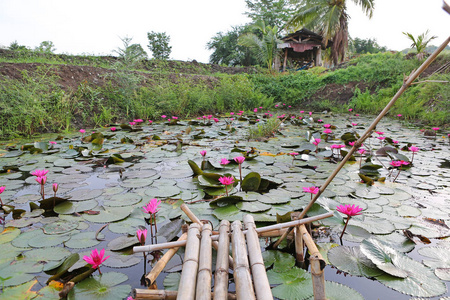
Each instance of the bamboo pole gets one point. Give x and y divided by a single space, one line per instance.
242 278
222 262
142 294
194 219
161 264
186 289
317 265
203 291
260 280
280 226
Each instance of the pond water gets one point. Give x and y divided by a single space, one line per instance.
116 173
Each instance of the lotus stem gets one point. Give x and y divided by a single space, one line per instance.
345 227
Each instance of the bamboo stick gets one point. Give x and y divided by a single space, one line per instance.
280 226
242 278
317 265
161 264
194 219
141 294
299 247
260 280
186 289
203 291
222 262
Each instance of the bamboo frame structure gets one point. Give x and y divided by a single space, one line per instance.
242 278
141 294
222 262
260 280
186 289
203 290
149 248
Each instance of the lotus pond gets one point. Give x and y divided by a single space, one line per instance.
398 248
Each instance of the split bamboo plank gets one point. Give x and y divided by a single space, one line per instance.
203 291
161 264
150 248
222 262
194 219
298 242
317 265
186 289
242 278
145 294
260 280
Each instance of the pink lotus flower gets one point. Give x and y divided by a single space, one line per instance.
216 120
354 124
152 206
310 113
395 163
224 161
316 142
2 189
231 113
436 128
113 128
395 141
150 121
239 159
362 151
302 111
132 123
399 115
327 125
39 173
293 154
41 180
255 110
138 120
174 118
226 180
413 149
203 153
96 259
312 189
335 146
55 187
53 143
349 210
379 132
327 131
141 235
276 105
350 109
357 115
381 138
82 130
351 143
163 116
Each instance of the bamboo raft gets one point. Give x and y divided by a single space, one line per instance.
246 263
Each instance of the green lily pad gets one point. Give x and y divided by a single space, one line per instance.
123 199
84 194
251 182
439 257
101 287
128 225
109 214
352 261
60 227
118 260
294 284
172 281
254 206
8 234
281 261
122 242
84 239
337 291
47 240
69 207
23 271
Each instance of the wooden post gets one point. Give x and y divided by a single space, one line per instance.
260 280
242 278
186 289
222 262
194 219
205 265
317 265
140 294
285 59
298 242
161 264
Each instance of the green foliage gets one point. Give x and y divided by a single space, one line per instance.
130 54
158 43
45 47
365 46
421 42
14 46
274 13
227 51
264 130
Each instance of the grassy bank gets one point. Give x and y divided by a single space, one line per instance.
37 100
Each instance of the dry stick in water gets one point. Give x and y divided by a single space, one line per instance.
369 130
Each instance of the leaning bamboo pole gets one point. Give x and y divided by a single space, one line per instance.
317 265
408 81
194 219
241 275
222 262
260 280
186 288
145 294
161 264
203 291
280 226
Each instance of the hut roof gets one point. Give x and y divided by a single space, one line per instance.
303 34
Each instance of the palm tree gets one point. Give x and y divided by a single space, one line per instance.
264 45
420 43
330 19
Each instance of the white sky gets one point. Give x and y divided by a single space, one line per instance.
95 26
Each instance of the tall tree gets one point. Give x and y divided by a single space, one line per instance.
274 13
45 47
420 43
265 46
330 19
158 43
227 51
358 45
130 53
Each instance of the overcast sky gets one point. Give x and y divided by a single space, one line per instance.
95 26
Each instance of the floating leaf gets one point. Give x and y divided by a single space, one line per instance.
295 284
281 261
60 227
83 240
22 291
122 242
8 234
440 257
101 287
251 182
171 229
119 260
352 261
172 281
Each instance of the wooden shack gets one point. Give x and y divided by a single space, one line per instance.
301 49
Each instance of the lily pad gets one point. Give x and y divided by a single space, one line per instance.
352 261
101 287
281 261
122 242
83 240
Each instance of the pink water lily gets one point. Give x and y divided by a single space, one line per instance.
351 143
203 153
379 132
316 142
311 189
132 123
2 189
336 146
436 128
113 128
216 120
327 131
39 173
82 130
413 149
141 235
239 159
53 142
55 187
399 115
350 109
354 124
350 211
96 259
224 161
163 116
152 206
327 125
41 179
226 180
